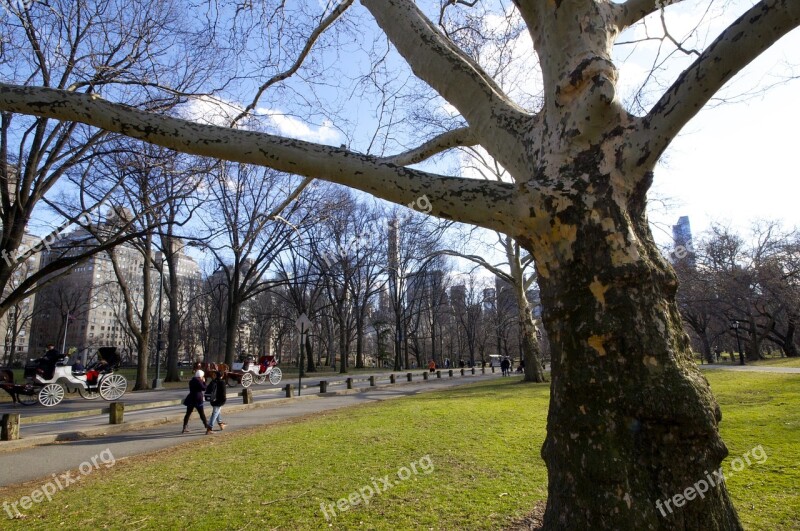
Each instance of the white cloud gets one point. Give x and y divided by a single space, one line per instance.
218 111
213 111
291 126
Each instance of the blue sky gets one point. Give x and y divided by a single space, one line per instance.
733 164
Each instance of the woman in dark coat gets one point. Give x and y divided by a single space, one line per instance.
194 400
505 365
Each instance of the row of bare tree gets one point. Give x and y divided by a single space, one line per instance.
752 283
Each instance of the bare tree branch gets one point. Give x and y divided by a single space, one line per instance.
633 11
755 31
332 17
455 138
447 69
466 200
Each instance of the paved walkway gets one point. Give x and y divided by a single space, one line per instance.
753 368
71 442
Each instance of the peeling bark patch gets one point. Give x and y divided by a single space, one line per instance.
598 289
650 362
596 342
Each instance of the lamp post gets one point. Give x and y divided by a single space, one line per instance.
735 328
64 341
160 263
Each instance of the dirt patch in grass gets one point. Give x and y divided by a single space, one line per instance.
532 521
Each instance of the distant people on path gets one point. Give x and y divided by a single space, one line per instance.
216 392
461 363
505 366
194 400
447 363
432 366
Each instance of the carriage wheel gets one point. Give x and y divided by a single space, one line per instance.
113 386
231 380
261 378
51 394
275 376
28 396
247 379
87 394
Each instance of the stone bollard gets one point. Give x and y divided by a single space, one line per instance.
116 410
289 391
409 376
372 381
450 373
392 379
492 369
323 386
473 370
349 383
424 375
10 427
462 372
438 374
247 396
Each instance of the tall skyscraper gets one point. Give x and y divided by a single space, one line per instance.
682 240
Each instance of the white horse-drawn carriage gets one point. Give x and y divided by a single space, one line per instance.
248 371
47 382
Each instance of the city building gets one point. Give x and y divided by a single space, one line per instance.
85 308
682 241
15 324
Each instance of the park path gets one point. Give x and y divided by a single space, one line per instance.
150 430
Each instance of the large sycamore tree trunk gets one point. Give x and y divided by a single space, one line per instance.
631 422
631 419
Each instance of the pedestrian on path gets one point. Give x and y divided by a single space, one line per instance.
505 365
194 400
217 392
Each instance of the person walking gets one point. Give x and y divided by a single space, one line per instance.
217 392
194 400
505 365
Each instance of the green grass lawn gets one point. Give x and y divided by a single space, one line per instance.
469 459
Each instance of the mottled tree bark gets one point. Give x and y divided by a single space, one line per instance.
632 421
534 370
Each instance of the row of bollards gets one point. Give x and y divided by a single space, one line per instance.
9 428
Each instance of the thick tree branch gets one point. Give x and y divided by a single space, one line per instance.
448 70
455 138
466 200
633 11
755 31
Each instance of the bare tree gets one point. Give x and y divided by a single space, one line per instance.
250 218
582 166
118 48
